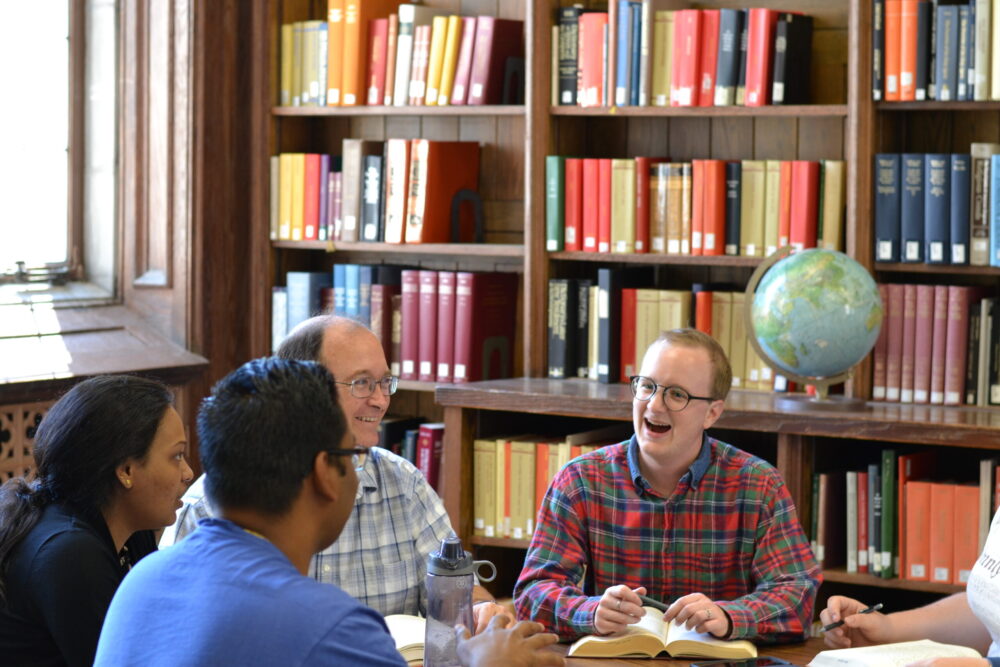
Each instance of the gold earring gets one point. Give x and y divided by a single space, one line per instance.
127 483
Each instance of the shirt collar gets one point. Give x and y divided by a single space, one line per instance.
368 476
693 475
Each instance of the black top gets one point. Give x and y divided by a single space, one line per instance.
59 583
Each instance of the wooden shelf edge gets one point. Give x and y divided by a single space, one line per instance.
937 269
791 110
933 105
504 542
415 385
655 258
361 110
447 249
841 576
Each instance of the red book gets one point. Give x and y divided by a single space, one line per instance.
916 556
427 352
760 53
590 81
941 532
430 442
409 325
419 65
956 347
922 345
627 325
881 349
909 343
381 322
395 365
939 344
965 542
892 51
378 37
463 66
446 325
909 467
697 205
573 204
862 522
591 193
785 203
390 60
709 56
310 198
804 202
604 205
438 170
485 313
684 84
908 51
714 207
894 345
497 41
703 312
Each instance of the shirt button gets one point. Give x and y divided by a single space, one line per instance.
326 569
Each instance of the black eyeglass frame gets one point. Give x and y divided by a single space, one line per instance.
663 395
359 455
393 381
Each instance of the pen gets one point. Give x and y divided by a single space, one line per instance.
655 604
833 626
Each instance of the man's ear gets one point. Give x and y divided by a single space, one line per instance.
327 477
713 414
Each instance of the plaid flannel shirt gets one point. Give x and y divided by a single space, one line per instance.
729 530
380 557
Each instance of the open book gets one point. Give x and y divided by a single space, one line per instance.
408 633
890 655
651 636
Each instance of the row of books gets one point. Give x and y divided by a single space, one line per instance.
383 52
688 57
396 191
435 326
927 50
702 207
901 517
510 475
939 344
418 442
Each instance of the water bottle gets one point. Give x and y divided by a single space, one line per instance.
449 599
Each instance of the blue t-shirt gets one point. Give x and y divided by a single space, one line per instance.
224 595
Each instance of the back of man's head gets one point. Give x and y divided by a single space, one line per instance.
260 430
305 342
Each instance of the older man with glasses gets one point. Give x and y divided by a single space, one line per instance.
398 519
672 514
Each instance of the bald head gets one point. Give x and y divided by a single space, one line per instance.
305 342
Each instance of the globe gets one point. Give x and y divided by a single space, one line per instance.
813 315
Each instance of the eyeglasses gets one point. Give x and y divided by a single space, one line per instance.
359 455
674 398
365 387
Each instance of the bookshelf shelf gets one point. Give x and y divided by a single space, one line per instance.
414 385
794 111
938 269
652 258
841 576
504 542
360 111
937 106
394 249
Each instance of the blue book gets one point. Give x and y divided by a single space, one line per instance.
734 182
994 212
623 65
304 294
279 316
887 198
961 165
324 196
946 53
911 208
635 57
365 305
339 289
937 207
352 290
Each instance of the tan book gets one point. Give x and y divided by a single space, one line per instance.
891 655
439 37
484 492
310 63
651 636
663 57
833 198
647 323
622 206
408 632
772 205
687 186
677 197
752 194
995 59
287 39
296 78
738 339
675 309
502 520
658 200
452 40
554 67
521 485
722 306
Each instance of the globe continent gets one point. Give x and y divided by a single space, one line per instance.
816 313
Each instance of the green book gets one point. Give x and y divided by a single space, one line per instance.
889 518
555 197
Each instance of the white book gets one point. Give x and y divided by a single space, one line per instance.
890 655
410 16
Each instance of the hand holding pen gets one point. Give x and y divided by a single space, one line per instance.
848 623
866 610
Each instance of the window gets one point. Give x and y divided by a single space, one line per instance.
58 177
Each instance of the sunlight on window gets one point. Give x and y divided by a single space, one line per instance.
34 131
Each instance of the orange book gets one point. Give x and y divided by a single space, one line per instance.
684 84
697 205
357 15
541 471
376 61
785 203
916 555
709 46
893 53
627 325
703 312
438 170
804 204
714 207
910 467
941 532
334 51
590 82
908 51
965 541
390 59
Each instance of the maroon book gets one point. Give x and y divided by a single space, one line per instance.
382 318
463 67
427 352
410 325
939 345
445 325
485 313
881 349
497 40
923 359
395 367
909 343
957 345
430 441
894 344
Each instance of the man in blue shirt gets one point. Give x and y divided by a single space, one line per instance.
280 467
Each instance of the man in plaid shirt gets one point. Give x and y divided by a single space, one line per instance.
398 519
673 514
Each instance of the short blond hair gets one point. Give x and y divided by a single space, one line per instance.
722 372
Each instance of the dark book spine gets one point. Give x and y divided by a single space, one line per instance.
569 21
583 316
887 201
962 62
555 198
734 186
972 355
970 53
609 283
371 199
878 48
911 208
558 328
635 57
946 53
961 167
728 59
795 40
780 60
741 70
937 207
875 519
922 75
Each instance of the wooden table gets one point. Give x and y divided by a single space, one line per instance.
797 654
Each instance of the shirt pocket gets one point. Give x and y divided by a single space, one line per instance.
394 582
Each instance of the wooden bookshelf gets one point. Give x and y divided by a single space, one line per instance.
789 111
383 111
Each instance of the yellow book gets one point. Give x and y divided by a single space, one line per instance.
484 490
738 344
675 309
408 632
451 43
832 214
296 79
686 188
651 636
752 193
663 57
285 197
439 36
310 63
623 206
274 197
722 306
521 486
287 38
772 205
298 196
677 239
554 66
502 520
891 655
647 323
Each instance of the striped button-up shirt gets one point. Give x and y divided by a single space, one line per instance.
729 530
380 557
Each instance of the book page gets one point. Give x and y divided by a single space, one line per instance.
406 630
683 642
643 638
891 655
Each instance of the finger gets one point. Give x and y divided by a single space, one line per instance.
498 623
526 628
541 640
482 617
619 605
549 659
461 633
